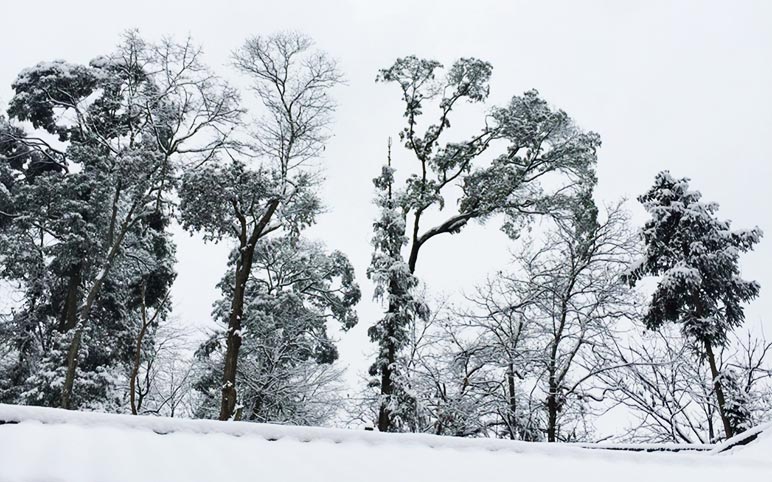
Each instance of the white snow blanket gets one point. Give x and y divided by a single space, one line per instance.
46 444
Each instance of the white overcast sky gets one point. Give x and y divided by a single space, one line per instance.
679 85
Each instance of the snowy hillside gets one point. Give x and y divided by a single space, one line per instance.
51 444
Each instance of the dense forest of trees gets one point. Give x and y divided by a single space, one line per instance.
590 315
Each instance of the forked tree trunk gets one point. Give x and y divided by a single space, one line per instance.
84 311
136 404
233 341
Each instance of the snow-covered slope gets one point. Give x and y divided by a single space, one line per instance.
753 444
56 445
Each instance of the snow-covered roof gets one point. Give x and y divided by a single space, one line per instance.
43 444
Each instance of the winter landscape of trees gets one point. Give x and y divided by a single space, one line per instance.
590 320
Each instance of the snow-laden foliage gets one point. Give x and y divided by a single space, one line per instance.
98 160
539 143
394 286
83 232
270 181
696 257
285 370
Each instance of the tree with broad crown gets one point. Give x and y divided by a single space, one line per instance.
84 222
541 143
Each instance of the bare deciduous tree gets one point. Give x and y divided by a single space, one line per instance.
161 383
660 379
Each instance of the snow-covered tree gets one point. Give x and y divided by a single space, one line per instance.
466 370
562 299
696 257
285 367
667 390
85 214
269 183
394 285
539 142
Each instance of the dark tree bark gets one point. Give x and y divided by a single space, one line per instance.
72 364
384 414
512 415
720 398
70 312
552 410
85 310
243 270
387 385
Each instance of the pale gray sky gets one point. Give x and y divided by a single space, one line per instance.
685 86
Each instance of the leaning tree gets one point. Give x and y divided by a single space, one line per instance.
537 143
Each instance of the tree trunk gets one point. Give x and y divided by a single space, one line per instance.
233 342
70 312
552 411
387 384
72 364
387 389
85 310
512 401
728 429
68 322
137 358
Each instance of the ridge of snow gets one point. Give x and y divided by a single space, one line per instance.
270 432
273 432
762 431
59 445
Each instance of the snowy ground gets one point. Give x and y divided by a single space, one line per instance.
57 445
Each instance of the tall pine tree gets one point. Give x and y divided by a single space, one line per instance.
696 257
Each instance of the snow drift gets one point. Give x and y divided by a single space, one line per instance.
57 445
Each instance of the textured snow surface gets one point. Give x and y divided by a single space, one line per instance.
57 445
759 448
